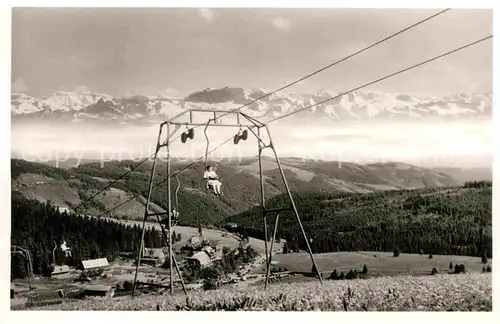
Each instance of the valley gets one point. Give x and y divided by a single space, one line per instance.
346 208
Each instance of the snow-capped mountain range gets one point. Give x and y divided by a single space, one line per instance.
360 105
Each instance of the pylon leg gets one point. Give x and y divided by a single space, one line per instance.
268 267
292 202
263 200
173 257
146 211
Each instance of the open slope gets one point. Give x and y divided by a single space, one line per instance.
472 174
69 186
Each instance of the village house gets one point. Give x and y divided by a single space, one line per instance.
195 240
201 259
99 291
128 255
60 272
194 244
94 264
62 209
231 227
153 257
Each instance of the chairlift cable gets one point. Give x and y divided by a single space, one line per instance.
164 180
112 183
382 78
335 63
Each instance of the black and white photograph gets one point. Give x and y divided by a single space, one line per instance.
264 158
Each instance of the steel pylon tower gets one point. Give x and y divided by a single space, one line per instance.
32 296
242 121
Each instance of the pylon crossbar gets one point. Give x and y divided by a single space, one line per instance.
215 117
213 125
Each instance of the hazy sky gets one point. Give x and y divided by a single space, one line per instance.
177 51
460 144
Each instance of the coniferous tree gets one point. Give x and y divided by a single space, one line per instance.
461 216
36 226
285 248
459 268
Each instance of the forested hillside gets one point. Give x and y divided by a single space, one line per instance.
454 220
69 187
38 227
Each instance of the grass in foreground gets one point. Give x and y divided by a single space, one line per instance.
466 292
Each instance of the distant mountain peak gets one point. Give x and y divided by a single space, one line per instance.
358 105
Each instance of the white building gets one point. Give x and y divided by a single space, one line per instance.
62 209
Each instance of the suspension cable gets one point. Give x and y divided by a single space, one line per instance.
112 183
334 63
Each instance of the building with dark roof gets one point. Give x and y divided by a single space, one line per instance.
99 291
61 272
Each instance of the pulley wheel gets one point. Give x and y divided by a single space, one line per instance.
191 133
236 139
183 137
244 135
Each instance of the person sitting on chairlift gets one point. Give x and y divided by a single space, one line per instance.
66 249
212 180
175 217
